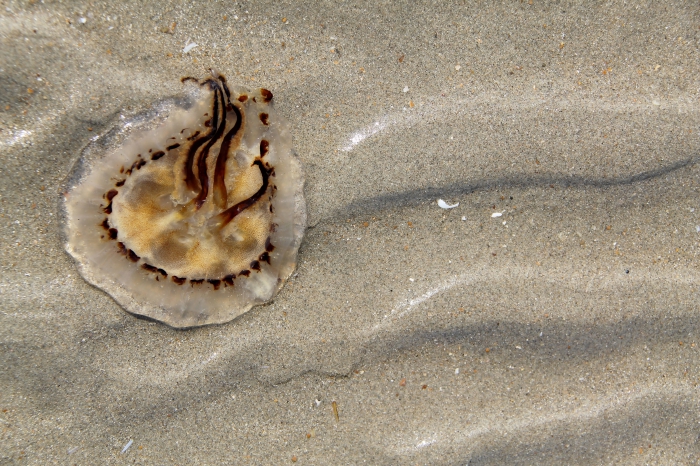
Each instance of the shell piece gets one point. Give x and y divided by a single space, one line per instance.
194 218
444 205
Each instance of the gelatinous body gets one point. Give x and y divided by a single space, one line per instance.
195 219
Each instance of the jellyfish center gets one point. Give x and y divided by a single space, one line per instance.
200 208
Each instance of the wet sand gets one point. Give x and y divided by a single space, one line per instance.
562 331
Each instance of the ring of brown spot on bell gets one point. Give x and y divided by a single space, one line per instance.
217 120
122 248
152 218
150 268
264 147
215 283
266 95
157 155
228 279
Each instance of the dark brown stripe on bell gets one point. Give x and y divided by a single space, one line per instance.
202 161
220 192
190 179
222 80
229 214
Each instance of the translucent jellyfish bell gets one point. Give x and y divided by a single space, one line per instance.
194 217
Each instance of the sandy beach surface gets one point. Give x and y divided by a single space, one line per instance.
551 317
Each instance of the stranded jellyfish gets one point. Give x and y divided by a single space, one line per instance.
193 217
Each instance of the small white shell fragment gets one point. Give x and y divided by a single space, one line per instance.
457 371
496 214
697 228
126 447
405 89
189 47
193 213
445 205
464 219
